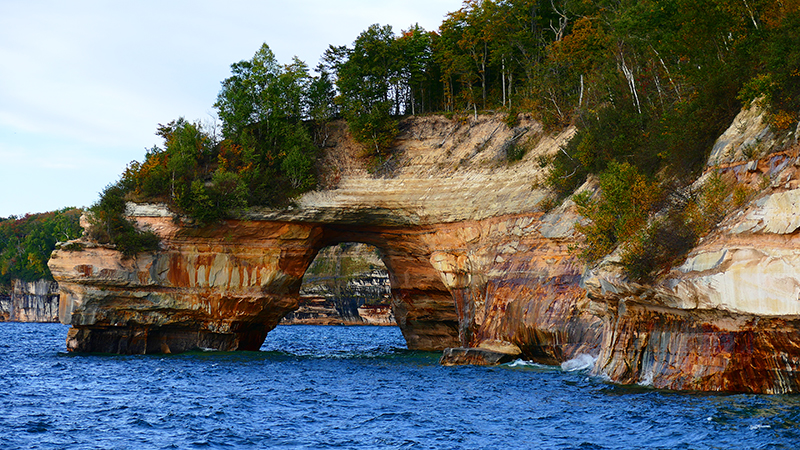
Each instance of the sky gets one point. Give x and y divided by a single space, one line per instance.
84 84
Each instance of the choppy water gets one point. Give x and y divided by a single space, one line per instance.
350 387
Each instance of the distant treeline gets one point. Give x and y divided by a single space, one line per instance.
26 243
649 85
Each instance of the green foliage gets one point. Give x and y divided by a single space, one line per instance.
658 246
777 51
108 224
268 145
267 155
369 82
666 240
515 151
383 76
619 213
649 85
374 128
26 243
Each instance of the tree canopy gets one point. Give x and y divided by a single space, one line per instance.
26 243
649 84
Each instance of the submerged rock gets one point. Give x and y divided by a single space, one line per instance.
474 356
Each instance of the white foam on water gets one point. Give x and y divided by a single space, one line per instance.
523 363
519 363
580 362
647 379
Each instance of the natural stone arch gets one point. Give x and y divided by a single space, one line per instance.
226 287
474 261
422 305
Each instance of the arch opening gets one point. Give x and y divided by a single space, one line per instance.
346 284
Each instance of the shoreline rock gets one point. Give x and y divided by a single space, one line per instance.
476 266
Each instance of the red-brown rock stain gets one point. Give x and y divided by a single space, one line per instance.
177 274
84 269
205 260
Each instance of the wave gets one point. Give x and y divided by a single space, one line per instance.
521 363
580 362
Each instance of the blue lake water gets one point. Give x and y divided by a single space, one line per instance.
350 387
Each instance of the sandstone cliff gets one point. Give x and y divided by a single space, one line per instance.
474 262
472 258
35 301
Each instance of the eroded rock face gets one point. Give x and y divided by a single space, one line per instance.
205 289
472 259
727 318
474 264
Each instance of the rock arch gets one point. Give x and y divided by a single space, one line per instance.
461 284
474 262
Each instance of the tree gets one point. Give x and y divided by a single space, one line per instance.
370 82
262 107
248 96
419 77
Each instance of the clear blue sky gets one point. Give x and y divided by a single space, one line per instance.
83 84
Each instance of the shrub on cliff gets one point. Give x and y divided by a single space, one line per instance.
648 245
619 213
108 224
